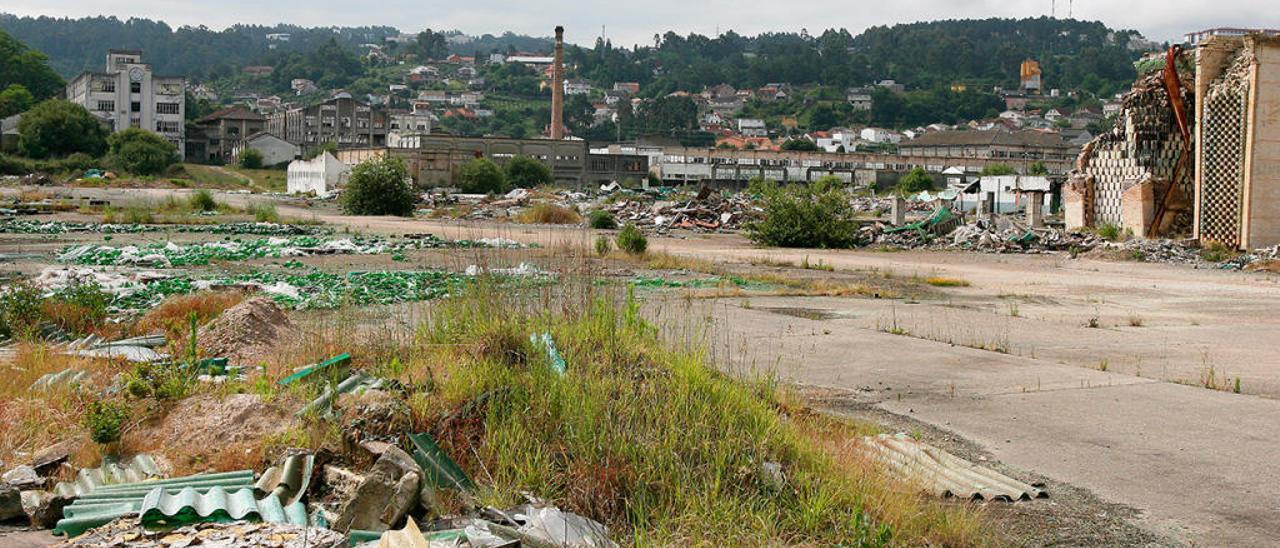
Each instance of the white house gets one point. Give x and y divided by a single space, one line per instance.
841 140
1006 192
321 175
752 127
577 87
274 149
880 135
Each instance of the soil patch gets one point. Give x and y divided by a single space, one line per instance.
246 333
209 432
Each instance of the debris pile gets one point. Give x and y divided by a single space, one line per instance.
245 331
131 532
707 211
17 226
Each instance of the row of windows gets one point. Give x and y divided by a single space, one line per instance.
163 126
167 108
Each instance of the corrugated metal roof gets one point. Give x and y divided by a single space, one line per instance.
68 376
189 505
945 474
289 480
109 502
139 468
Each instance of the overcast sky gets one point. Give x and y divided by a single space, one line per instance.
627 22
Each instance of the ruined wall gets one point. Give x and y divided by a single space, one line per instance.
1142 148
1237 200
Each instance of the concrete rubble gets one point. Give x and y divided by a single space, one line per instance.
130 532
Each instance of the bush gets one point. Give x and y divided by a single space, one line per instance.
141 152
57 128
1110 231
915 181
251 159
814 215
526 172
602 219
203 200
548 214
104 418
998 169
159 381
19 310
379 186
632 241
80 308
264 212
481 176
603 246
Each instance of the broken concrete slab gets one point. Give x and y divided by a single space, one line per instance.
384 496
22 477
10 503
43 508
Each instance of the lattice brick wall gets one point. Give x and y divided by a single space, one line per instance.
1222 182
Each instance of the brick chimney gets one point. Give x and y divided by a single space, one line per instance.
557 88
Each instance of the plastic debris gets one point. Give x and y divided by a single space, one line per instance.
553 354
550 525
341 360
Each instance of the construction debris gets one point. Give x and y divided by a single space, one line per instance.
139 468
137 349
114 501
14 226
944 474
385 495
131 532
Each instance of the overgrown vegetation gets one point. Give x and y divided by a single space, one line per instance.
78 309
104 420
915 181
632 241
601 220
526 172
140 152
482 176
251 159
379 186
817 214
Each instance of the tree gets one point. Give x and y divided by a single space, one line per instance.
379 186
22 66
58 128
817 214
15 99
998 169
526 172
251 158
914 181
1037 168
800 144
481 176
327 146
140 152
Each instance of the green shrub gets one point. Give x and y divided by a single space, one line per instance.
203 200
57 128
159 381
379 186
264 212
632 241
19 310
141 152
79 308
998 169
814 215
482 176
603 246
602 219
1111 231
526 172
104 419
915 181
251 158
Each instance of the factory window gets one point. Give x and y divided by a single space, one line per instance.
135 87
107 106
135 107
166 108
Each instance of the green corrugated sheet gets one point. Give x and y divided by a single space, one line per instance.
88 480
440 470
113 501
188 505
336 361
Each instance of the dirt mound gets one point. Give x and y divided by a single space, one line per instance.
211 432
245 332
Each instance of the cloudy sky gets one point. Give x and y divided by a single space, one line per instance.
627 23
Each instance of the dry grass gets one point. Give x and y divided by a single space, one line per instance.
938 281
173 315
548 214
661 260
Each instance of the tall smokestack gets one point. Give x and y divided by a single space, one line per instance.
557 88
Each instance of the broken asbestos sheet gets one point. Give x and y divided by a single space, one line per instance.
944 474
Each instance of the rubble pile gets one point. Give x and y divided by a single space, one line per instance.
131 532
707 211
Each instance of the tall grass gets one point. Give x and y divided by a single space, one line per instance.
547 213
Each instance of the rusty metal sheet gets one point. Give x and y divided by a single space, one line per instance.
944 474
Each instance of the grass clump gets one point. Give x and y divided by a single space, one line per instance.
938 281
264 212
548 214
203 200
1216 252
1111 232
603 246
647 439
632 241
602 220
